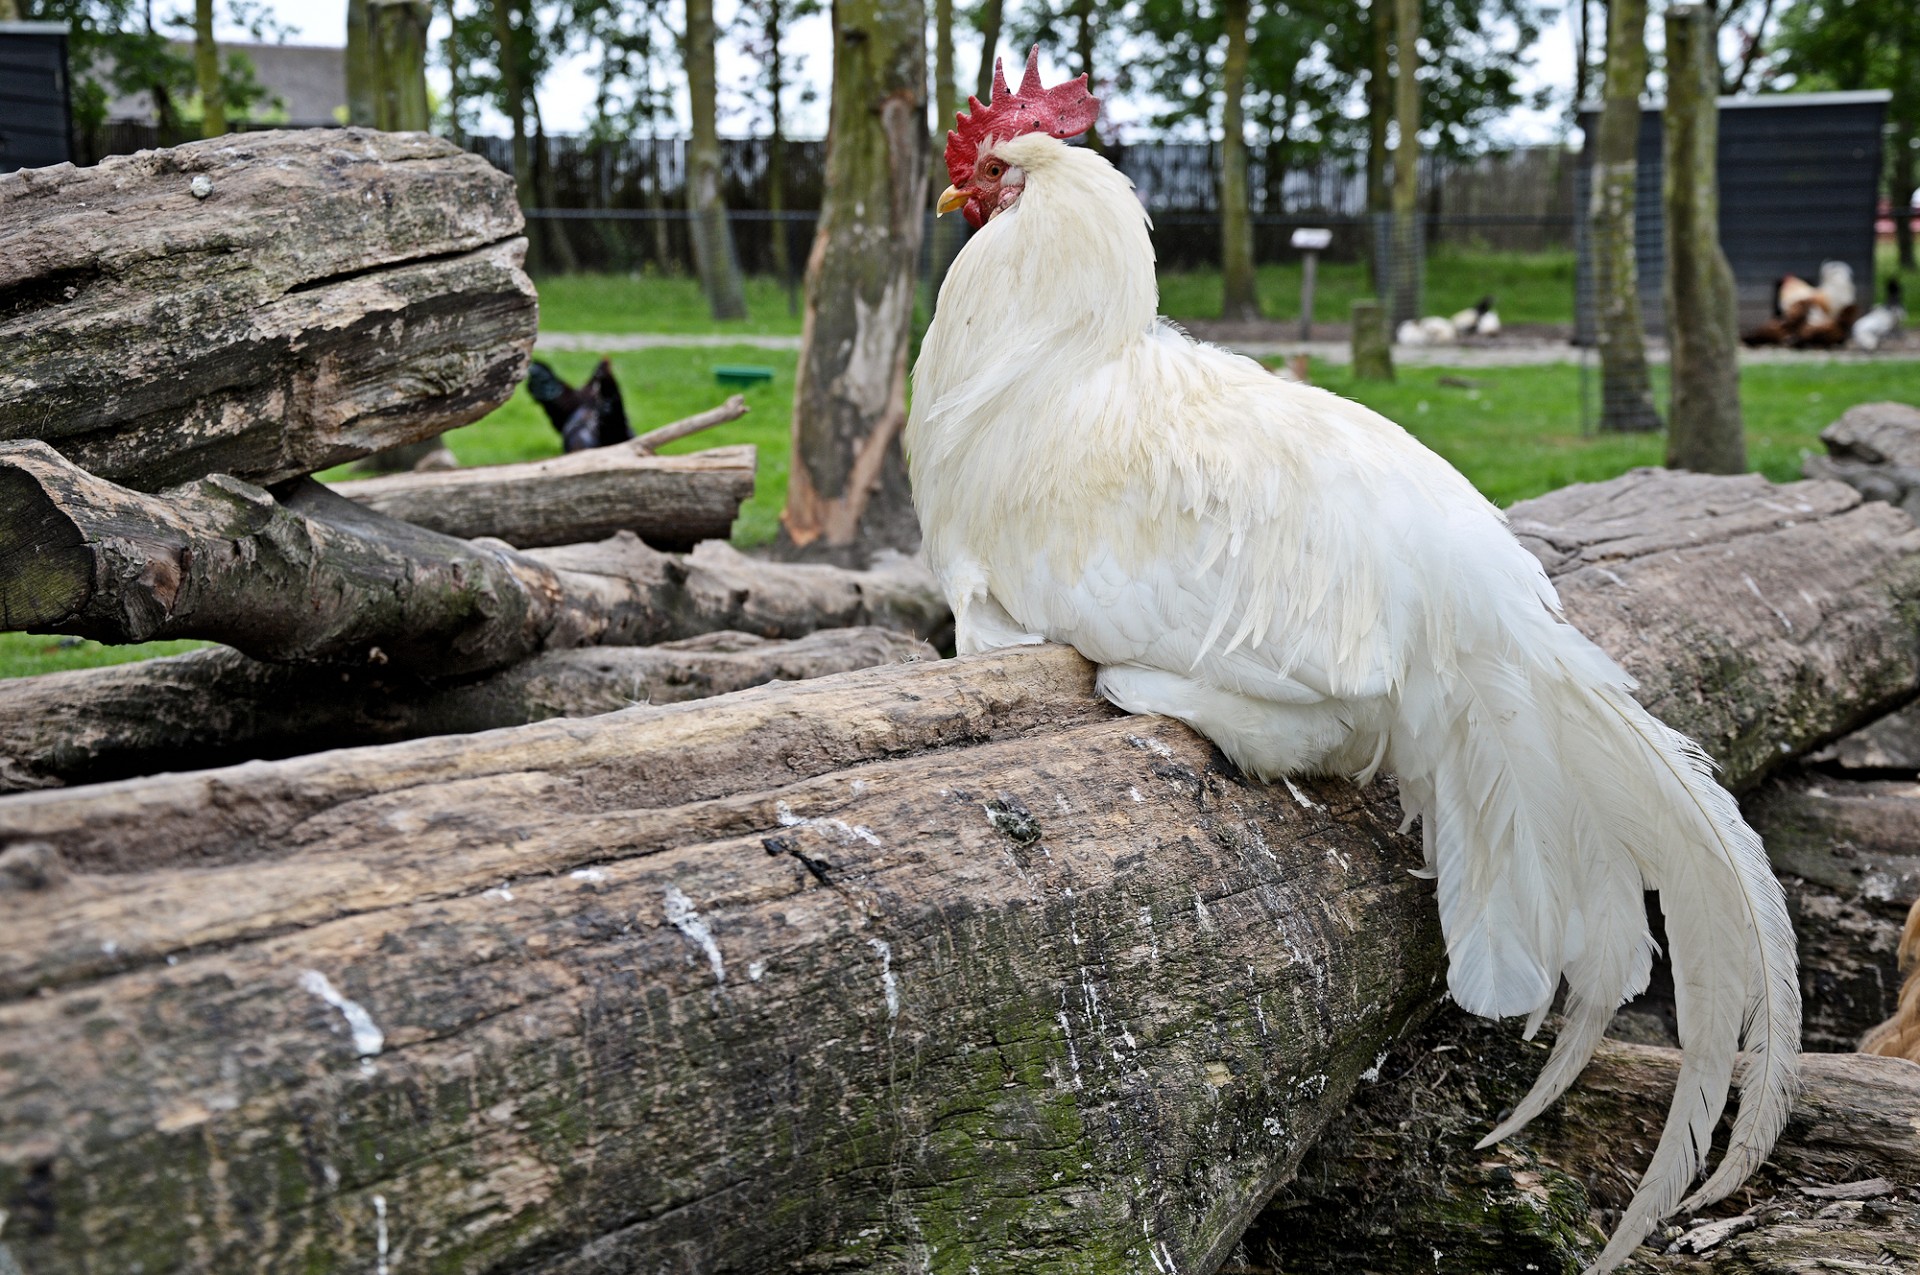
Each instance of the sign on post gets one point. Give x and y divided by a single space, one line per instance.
1310 240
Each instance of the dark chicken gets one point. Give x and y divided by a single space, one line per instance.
591 416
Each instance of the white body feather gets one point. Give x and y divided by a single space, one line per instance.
1300 580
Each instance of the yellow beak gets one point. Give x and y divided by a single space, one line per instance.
951 198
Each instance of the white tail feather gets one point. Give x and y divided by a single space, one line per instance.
1541 869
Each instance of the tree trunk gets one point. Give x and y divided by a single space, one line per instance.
1086 36
777 155
1379 115
454 52
1372 341
217 707
1409 266
557 250
946 230
847 493
247 333
206 72
1704 431
1023 948
989 16
315 578
1626 394
398 55
1395 1187
512 41
713 255
671 502
1240 299
360 72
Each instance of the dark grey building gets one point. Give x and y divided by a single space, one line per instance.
36 122
1800 178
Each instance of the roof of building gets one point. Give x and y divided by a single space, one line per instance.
310 79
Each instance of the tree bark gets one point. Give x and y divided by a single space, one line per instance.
1704 430
315 578
1240 298
1379 116
671 502
1626 393
1905 172
1372 342
827 927
713 254
360 94
336 292
217 707
870 986
1848 852
777 154
1396 1187
206 72
946 230
512 42
989 16
1409 249
847 492
398 56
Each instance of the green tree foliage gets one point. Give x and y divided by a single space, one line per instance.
1861 44
114 48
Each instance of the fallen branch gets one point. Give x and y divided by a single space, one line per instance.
215 707
261 304
654 439
671 502
315 578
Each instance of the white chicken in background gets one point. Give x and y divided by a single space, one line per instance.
1432 330
1480 319
1301 581
1881 322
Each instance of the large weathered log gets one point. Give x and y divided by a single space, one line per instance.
1396 1186
1874 447
261 304
671 502
1849 854
215 707
314 578
768 979
934 961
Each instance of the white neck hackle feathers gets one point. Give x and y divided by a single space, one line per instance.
1304 583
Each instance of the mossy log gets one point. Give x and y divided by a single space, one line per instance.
671 502
311 577
1396 1187
261 304
1848 852
942 962
945 959
216 707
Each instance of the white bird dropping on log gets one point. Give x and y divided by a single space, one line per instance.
368 1039
1304 583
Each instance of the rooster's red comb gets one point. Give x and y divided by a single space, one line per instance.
1063 111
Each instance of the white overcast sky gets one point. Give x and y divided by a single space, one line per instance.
566 99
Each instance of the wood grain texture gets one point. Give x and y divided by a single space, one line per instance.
217 707
311 577
1396 1187
339 291
671 502
939 963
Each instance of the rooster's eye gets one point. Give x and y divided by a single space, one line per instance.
994 170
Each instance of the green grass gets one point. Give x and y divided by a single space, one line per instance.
659 386
1526 287
24 654
657 303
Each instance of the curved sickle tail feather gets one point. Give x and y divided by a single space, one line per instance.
1549 800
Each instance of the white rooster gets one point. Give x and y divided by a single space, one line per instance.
1301 581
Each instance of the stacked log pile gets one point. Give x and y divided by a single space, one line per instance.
274 303
944 963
